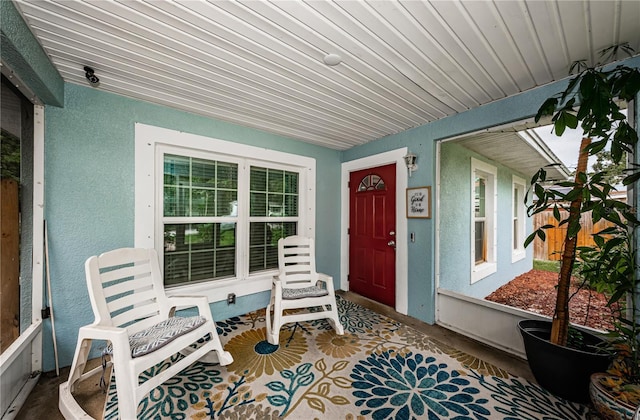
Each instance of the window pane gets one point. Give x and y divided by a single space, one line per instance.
227 176
198 251
190 187
274 193
276 205
263 243
203 173
516 234
288 229
258 205
480 197
176 169
226 236
515 202
290 205
258 179
202 265
282 230
276 180
291 183
200 236
227 203
370 183
176 269
203 203
263 248
170 201
258 234
225 263
480 249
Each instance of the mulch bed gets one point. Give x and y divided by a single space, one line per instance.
535 291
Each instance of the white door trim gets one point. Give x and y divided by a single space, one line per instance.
394 156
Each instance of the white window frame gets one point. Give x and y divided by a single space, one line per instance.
518 209
150 145
490 172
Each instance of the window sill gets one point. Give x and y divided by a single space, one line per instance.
518 255
218 290
483 270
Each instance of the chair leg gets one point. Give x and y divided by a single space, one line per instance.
215 356
126 389
79 361
217 353
273 325
334 320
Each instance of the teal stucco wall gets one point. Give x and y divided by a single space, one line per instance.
455 225
422 141
89 172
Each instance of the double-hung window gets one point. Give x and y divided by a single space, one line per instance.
273 214
519 219
199 217
483 219
215 217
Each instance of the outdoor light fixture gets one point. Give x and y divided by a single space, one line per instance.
410 160
91 77
332 59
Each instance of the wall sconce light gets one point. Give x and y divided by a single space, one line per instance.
91 77
410 160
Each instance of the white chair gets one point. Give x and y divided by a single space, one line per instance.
299 286
133 313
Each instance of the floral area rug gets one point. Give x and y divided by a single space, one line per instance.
380 369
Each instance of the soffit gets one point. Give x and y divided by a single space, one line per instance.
260 63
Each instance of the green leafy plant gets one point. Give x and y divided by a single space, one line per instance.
610 267
591 99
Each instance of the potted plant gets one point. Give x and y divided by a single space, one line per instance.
591 99
611 267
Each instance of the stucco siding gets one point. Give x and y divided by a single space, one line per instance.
455 225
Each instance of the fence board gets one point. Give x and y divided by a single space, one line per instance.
551 249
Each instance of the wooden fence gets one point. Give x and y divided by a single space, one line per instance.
551 248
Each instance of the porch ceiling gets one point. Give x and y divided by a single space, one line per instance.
260 64
517 148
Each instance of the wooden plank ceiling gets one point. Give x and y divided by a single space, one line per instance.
260 63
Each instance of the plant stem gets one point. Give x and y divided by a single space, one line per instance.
560 323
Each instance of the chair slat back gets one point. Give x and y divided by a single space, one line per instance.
126 288
296 261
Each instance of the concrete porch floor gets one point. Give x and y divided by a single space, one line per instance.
43 401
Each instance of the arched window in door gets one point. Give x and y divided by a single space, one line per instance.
370 183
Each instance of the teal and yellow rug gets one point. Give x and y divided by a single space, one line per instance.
380 369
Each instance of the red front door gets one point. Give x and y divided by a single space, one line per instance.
372 224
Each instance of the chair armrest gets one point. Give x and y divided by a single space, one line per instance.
327 280
276 279
200 302
119 337
104 332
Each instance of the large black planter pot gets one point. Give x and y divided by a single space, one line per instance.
563 371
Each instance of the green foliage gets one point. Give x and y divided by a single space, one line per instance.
593 99
613 173
9 156
597 93
610 268
552 266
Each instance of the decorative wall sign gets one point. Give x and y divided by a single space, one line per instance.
419 203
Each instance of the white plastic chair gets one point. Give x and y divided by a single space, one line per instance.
299 286
127 296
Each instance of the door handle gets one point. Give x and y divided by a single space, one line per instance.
392 243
